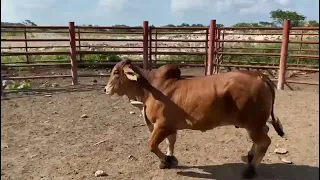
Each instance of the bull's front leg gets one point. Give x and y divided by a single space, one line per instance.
157 136
170 140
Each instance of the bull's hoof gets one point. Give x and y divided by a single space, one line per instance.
249 173
250 158
173 161
169 163
164 165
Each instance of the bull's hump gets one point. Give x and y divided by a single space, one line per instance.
168 71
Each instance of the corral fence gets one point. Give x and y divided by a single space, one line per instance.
207 44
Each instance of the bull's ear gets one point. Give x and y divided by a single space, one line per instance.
133 76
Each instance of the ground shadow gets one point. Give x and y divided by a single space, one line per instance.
233 171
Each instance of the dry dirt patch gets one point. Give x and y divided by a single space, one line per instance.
45 138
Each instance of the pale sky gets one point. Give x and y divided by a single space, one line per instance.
157 12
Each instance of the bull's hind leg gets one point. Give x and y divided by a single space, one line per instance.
171 140
261 142
251 153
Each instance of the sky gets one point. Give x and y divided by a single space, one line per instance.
157 12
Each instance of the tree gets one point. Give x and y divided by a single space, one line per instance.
247 25
219 25
170 25
313 23
28 22
266 24
242 25
184 25
10 24
254 25
197 25
279 16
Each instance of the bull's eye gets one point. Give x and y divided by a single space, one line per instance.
131 73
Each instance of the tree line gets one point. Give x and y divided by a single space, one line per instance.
277 17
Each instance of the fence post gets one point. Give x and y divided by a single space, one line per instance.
26 43
284 55
217 57
300 46
73 53
155 46
150 47
206 47
79 44
2 92
212 33
145 44
222 44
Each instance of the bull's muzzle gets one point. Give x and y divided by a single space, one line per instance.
108 90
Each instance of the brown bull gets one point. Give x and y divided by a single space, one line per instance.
243 98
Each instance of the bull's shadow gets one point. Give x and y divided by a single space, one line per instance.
233 171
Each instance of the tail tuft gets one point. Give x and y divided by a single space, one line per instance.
278 127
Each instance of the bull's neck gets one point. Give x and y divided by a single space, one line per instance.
145 85
142 95
146 90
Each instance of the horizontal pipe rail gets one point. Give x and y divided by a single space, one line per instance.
177 40
33 27
267 67
270 34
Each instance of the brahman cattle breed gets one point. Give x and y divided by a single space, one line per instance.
244 99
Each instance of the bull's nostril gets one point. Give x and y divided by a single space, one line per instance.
104 90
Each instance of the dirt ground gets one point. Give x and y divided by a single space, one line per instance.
45 137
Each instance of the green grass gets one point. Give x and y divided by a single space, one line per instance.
11 34
185 58
92 58
19 86
16 35
35 59
199 59
274 48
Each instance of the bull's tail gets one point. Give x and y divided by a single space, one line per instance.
277 125
274 121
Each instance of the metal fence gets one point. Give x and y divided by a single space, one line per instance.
211 49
